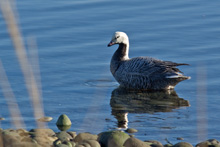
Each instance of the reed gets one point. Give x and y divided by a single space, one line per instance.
26 68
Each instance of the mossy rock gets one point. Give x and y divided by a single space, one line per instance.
112 138
183 144
85 136
63 123
134 142
63 120
209 143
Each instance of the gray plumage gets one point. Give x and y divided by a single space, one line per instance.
142 72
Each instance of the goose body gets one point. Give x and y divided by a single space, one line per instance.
142 73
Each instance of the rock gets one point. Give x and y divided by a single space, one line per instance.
45 119
85 144
168 145
73 134
112 138
62 145
85 136
134 142
183 144
63 120
57 142
68 143
92 143
44 137
64 136
208 143
154 143
73 143
180 138
16 138
63 123
63 128
131 130
40 132
79 146
2 118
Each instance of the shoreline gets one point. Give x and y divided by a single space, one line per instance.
49 138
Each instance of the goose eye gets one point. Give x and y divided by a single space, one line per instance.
117 37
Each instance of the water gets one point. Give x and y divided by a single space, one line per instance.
72 38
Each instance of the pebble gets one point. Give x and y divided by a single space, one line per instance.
64 136
131 130
2 118
154 143
92 143
73 134
45 119
179 138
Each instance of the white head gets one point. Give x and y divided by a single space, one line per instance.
119 37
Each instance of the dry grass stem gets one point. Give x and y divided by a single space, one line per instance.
10 99
20 50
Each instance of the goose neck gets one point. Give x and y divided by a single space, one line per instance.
122 52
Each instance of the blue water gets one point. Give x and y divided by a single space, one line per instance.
72 38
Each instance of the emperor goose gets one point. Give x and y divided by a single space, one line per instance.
142 73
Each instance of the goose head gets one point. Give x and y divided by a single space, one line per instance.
119 38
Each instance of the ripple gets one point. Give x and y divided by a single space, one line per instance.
101 83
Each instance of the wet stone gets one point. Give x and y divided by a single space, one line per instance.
68 143
44 137
134 142
64 136
92 143
45 119
131 130
40 132
73 134
209 143
85 136
112 138
183 144
85 144
63 120
57 142
13 138
63 128
63 123
154 143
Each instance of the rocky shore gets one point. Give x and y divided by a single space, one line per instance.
48 138
64 138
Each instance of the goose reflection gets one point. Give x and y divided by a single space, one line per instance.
125 101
